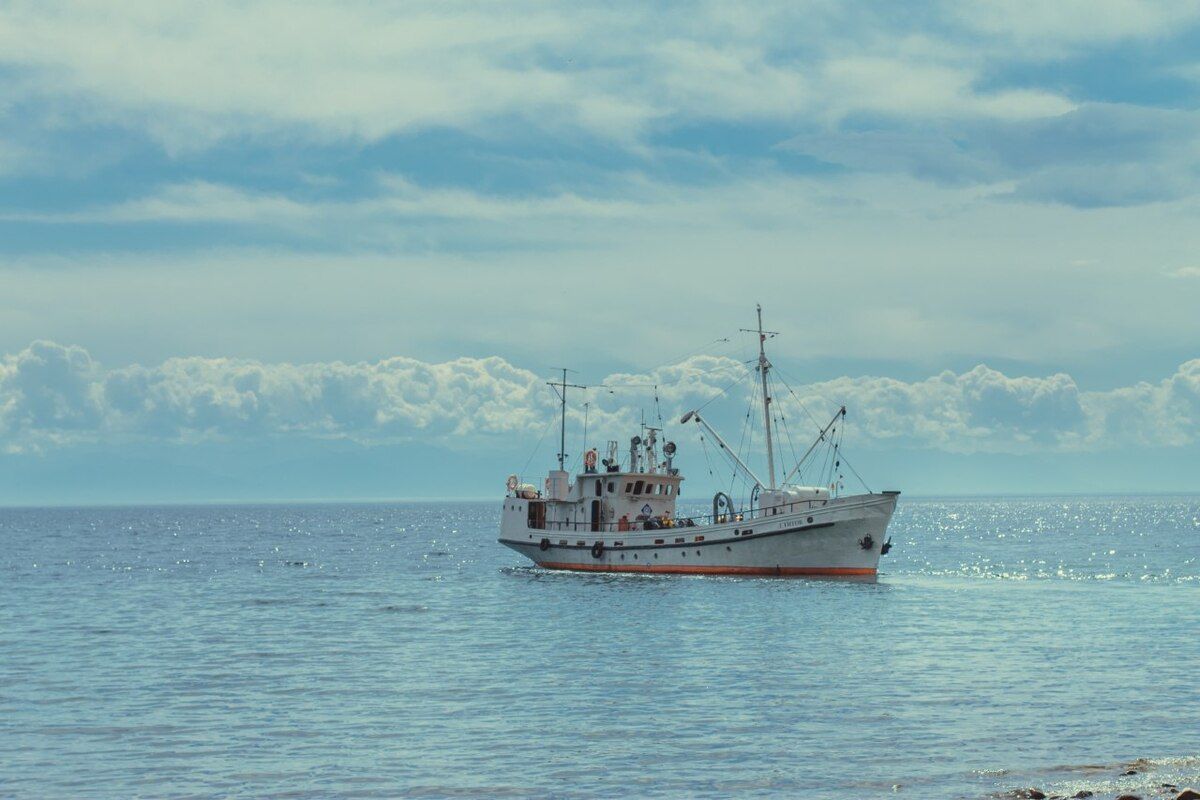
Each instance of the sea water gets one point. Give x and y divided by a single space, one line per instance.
399 651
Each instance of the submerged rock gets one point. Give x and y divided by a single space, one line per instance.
1082 793
1129 797
1188 794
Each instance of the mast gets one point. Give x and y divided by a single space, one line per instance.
561 389
763 367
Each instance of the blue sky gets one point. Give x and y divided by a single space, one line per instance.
344 241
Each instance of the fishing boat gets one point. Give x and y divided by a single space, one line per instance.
620 515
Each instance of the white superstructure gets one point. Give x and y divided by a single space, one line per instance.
611 518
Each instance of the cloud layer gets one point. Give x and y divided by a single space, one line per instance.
938 183
972 93
53 396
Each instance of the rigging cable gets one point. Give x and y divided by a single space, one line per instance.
728 386
798 400
787 431
852 469
536 447
744 444
685 356
841 457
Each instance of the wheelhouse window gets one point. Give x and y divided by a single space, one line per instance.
628 488
649 488
637 487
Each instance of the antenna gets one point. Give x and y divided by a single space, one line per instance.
763 367
560 389
586 406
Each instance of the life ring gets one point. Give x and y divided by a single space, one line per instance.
589 459
597 549
544 545
512 483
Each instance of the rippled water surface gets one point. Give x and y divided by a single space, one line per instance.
397 650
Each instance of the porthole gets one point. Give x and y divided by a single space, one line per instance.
635 556
697 552
810 519
622 556
730 549
684 554
656 555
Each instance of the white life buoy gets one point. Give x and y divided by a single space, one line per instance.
512 483
589 459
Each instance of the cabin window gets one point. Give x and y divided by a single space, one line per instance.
611 487
637 487
669 488
649 488
628 488
599 487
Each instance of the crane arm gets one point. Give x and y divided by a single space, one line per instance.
741 464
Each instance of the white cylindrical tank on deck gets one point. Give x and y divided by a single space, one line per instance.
557 485
791 494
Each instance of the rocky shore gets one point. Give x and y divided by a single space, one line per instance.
1133 781
1165 790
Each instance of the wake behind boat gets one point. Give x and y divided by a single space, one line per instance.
621 517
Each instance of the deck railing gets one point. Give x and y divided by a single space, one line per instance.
690 521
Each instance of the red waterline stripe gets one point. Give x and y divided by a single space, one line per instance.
713 570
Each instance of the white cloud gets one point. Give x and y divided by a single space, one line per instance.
250 67
396 199
51 395
981 409
48 393
1052 28
191 76
1163 413
914 87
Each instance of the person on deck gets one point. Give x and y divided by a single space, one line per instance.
623 523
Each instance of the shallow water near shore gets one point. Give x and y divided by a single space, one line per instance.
397 650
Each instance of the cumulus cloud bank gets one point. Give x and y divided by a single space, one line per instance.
53 396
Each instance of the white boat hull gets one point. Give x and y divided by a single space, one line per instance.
839 537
